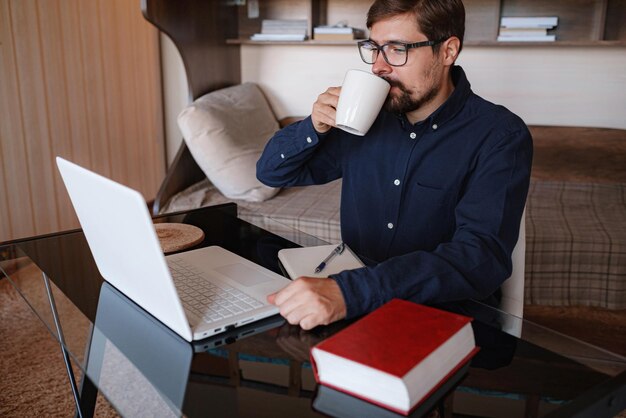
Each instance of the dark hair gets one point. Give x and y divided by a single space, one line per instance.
437 19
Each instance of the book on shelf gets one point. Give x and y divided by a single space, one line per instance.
529 22
282 30
334 37
523 31
527 29
284 26
303 261
278 37
397 356
546 38
266 23
337 33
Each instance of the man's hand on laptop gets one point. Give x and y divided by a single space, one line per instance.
310 301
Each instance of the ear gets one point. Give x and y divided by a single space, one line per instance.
450 50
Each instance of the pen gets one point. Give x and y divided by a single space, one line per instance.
335 252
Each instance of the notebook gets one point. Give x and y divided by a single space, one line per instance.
196 294
303 261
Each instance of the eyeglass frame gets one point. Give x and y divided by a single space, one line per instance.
379 48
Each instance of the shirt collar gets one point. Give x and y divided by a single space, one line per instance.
457 99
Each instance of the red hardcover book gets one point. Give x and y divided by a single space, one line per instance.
396 356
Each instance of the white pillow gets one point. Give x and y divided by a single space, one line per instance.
225 131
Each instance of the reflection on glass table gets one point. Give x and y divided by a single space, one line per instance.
142 367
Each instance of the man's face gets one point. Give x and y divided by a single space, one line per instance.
418 81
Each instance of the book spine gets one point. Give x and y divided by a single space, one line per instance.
529 22
547 38
314 366
523 32
333 37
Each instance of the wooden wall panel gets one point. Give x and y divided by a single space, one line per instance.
80 79
56 105
95 85
16 219
77 90
35 129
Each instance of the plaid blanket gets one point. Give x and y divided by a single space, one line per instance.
576 244
575 234
313 210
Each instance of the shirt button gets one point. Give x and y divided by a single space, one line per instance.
390 225
435 126
413 135
396 182
308 139
282 155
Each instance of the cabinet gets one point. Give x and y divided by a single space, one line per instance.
581 22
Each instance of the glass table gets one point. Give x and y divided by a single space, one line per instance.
143 368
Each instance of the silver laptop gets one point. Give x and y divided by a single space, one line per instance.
197 293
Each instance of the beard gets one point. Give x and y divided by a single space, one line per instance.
406 101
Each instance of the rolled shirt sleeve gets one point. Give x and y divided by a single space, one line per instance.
293 157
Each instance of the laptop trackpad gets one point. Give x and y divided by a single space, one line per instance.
243 274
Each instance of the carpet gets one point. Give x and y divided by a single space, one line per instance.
600 327
585 155
33 380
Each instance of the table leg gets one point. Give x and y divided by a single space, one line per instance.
88 394
66 357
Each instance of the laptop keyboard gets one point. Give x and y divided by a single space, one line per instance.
210 301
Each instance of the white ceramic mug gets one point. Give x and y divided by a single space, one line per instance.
362 96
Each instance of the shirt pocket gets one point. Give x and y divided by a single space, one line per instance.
430 195
434 206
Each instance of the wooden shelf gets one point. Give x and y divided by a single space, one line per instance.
582 23
495 44
307 42
555 44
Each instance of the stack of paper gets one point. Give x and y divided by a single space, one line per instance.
282 30
527 29
337 33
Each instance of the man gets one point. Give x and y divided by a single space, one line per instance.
432 196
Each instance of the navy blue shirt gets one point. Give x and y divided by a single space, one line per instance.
433 207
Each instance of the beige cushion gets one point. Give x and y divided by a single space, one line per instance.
226 131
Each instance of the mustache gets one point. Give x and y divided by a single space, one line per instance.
395 83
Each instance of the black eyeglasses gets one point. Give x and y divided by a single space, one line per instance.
395 53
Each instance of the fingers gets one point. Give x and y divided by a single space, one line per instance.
292 301
323 117
271 298
309 322
310 302
297 314
324 109
286 292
